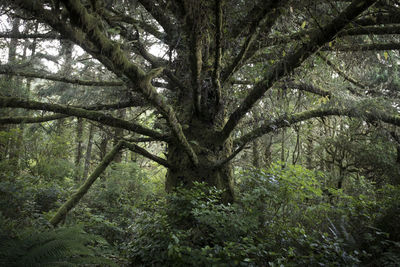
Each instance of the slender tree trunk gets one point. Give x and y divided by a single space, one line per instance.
268 152
13 143
103 145
79 148
118 134
88 156
396 179
256 154
66 51
297 148
283 148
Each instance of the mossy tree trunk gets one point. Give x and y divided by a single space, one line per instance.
204 138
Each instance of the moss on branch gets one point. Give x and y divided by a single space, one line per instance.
12 102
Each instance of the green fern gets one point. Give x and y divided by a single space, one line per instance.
60 247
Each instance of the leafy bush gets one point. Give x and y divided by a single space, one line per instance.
283 216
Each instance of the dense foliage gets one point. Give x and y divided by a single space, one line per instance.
284 215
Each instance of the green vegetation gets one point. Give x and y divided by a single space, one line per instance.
199 133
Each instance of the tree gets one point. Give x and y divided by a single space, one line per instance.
219 60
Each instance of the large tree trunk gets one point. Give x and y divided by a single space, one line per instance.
209 150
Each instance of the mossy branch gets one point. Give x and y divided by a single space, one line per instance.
360 47
18 35
288 120
9 70
340 72
293 60
12 102
146 154
17 120
77 196
307 88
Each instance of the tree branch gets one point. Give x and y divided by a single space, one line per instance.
271 11
146 154
159 63
18 35
146 27
12 102
222 162
17 120
9 70
160 16
77 196
340 72
288 120
256 14
378 30
308 88
368 47
293 60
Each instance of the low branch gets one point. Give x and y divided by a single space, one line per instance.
293 60
11 102
146 154
288 120
77 196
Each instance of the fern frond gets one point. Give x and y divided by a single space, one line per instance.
60 247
